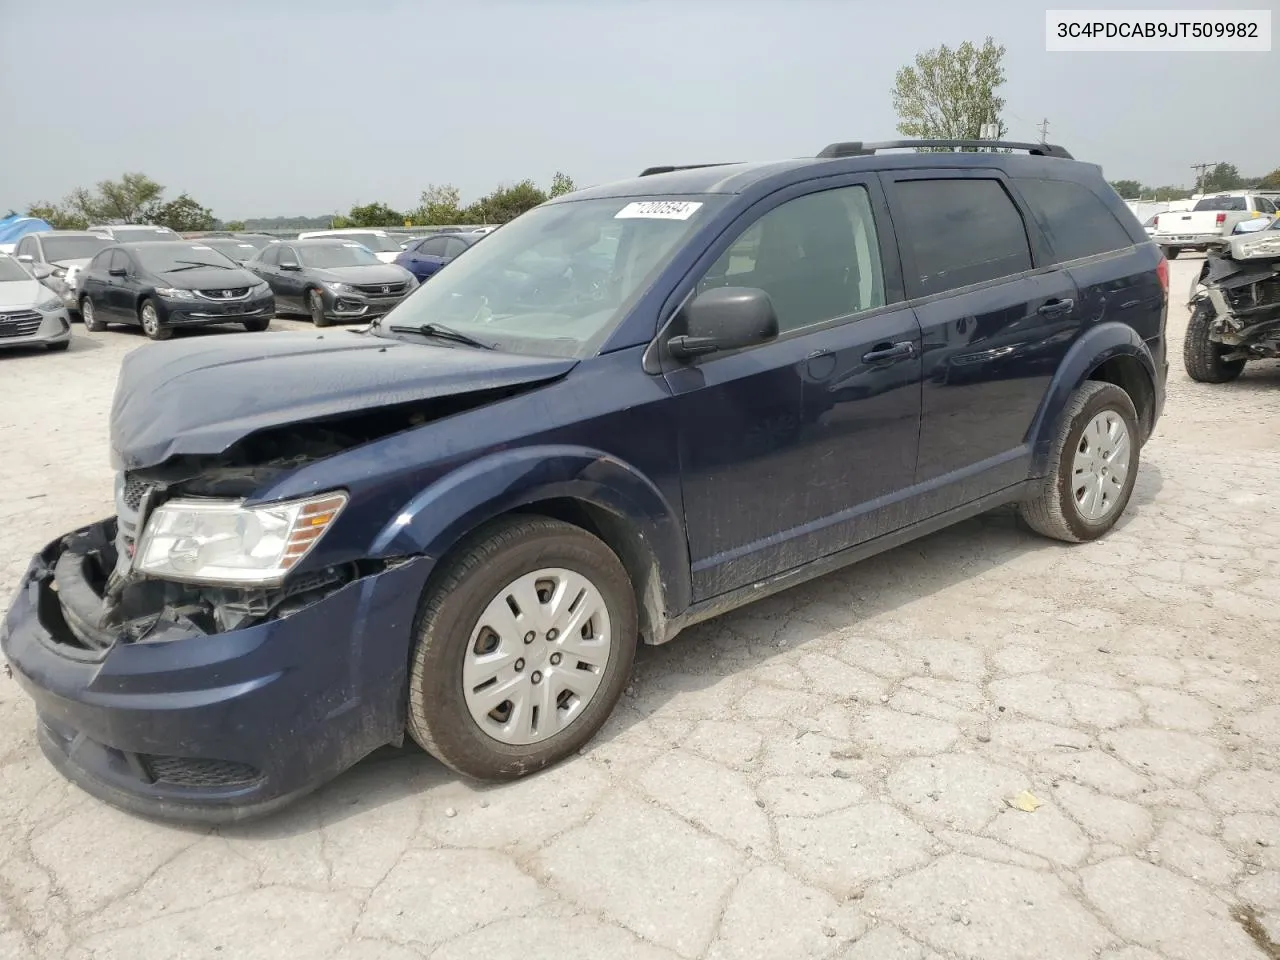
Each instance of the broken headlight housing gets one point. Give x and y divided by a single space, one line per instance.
224 543
1265 246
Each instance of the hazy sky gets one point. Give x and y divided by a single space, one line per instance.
269 107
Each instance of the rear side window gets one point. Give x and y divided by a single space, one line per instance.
1221 203
1075 221
959 232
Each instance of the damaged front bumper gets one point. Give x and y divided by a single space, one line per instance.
182 722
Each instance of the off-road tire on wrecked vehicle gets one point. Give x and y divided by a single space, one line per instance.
90 317
1201 356
452 637
149 317
315 307
1056 510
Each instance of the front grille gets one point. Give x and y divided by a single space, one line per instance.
381 289
134 491
190 772
235 293
20 324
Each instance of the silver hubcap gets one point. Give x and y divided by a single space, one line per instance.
537 656
87 310
1101 466
150 322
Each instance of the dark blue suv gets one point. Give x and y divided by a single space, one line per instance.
631 409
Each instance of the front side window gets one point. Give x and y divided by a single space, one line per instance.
1265 205
817 257
557 280
434 247
1075 222
959 231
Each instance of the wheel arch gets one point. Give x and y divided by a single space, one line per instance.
591 490
1112 353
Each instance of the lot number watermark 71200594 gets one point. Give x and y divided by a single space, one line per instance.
1158 31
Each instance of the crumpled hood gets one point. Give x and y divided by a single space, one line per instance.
200 396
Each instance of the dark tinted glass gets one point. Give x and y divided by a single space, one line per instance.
958 232
1076 223
1220 203
434 247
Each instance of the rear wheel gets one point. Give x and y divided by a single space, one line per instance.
1171 253
315 307
523 647
1201 356
151 324
91 322
258 325
1094 466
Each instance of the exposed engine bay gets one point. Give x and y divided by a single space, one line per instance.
1235 300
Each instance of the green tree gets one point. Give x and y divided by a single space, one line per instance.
949 93
505 203
1128 189
1224 176
373 215
134 198
235 226
1167 193
57 216
183 214
1271 181
438 206
561 184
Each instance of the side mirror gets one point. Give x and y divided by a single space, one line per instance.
25 258
42 271
725 318
118 272
290 266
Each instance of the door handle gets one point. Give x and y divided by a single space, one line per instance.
884 352
1056 307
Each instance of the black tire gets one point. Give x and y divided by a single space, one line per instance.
1053 511
1171 253
149 318
315 307
57 347
1201 356
438 715
258 325
89 314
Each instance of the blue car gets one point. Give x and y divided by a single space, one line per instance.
423 258
458 523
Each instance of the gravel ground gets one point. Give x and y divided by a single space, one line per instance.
824 774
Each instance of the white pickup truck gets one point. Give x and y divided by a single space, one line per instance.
1211 218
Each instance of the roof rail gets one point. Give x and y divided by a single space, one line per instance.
856 148
650 171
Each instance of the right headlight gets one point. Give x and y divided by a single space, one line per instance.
224 543
173 293
1260 246
337 287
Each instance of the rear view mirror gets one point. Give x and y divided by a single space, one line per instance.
290 265
725 318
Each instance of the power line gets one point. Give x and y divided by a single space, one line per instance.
1200 168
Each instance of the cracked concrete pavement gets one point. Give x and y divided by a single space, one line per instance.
823 774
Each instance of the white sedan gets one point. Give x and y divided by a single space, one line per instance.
30 313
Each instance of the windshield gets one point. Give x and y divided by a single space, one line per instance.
557 280
1221 203
256 242
10 269
349 253
143 234
235 249
177 257
374 242
72 248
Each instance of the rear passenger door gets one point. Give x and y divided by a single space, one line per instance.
996 319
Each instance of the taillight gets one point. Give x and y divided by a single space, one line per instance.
1162 271
1222 218
1155 221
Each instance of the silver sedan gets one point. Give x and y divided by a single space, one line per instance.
30 313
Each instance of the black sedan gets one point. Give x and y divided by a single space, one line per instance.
160 285
331 279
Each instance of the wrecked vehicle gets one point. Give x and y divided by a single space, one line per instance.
631 409
1235 306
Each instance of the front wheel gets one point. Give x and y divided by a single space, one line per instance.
315 307
151 324
523 647
1094 466
90 316
1171 253
1201 356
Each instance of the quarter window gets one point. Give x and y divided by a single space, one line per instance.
958 232
1073 219
817 257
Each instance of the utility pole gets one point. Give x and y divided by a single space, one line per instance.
1200 168
1044 130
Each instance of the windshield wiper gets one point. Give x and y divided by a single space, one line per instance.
192 264
441 332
